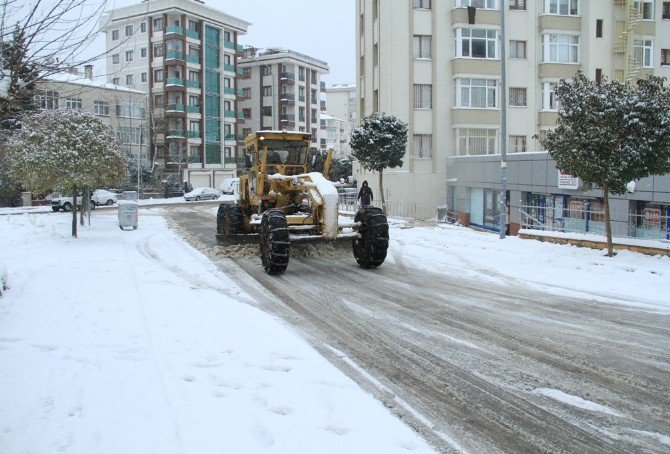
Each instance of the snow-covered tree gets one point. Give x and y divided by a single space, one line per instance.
378 143
66 151
340 167
609 134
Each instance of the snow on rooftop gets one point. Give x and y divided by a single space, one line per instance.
80 79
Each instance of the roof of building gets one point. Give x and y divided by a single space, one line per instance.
79 79
272 53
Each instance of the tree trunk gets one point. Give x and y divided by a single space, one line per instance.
74 213
83 208
381 191
608 224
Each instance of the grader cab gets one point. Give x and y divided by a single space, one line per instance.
281 202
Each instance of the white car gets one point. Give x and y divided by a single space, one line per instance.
65 203
104 197
202 194
230 185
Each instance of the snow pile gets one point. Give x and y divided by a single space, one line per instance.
132 341
329 196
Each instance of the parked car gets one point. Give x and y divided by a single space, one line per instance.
65 203
104 197
202 194
230 185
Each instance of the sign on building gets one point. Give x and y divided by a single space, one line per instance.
566 181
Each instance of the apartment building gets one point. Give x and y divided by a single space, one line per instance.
335 135
436 65
183 54
342 102
281 89
120 107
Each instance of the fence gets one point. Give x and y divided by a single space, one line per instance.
653 224
396 209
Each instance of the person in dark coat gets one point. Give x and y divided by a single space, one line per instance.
365 194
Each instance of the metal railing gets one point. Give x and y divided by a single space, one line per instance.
652 225
562 219
348 201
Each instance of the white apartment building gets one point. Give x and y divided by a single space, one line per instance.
437 68
342 102
281 89
183 54
335 135
120 107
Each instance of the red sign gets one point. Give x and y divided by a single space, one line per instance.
652 215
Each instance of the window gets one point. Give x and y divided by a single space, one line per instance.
143 52
313 116
129 30
481 4
127 135
517 97
560 48
313 134
665 57
267 111
116 81
158 101
375 9
517 4
130 110
301 73
422 4
194 76
423 96
267 70
646 7
517 144
47 99
115 35
129 55
312 77
313 96
666 10
158 50
517 49
160 151
476 93
599 75
562 7
115 59
599 28
267 90
643 50
129 79
422 46
422 145
476 142
549 100
158 24
143 78
101 108
301 113
476 43
193 25
158 75
375 55
194 125
143 27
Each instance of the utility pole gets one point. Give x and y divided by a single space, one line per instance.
503 123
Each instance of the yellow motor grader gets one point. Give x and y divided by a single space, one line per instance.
282 202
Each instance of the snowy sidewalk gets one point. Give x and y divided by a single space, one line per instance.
134 342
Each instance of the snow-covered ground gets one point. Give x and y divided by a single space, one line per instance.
134 342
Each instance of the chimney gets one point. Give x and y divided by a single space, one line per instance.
88 71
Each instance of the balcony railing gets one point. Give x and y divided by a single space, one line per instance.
176 133
229 90
192 34
229 113
194 160
193 84
194 134
174 55
175 81
230 137
228 67
287 117
287 97
193 109
301 98
288 76
174 29
229 45
175 108
193 59
240 71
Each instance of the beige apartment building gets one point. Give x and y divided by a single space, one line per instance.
183 54
281 89
342 102
436 66
120 107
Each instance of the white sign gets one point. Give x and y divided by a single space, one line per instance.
566 181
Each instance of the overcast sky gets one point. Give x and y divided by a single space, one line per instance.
323 29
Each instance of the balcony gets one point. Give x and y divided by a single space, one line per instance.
194 160
228 67
229 45
322 86
174 81
229 90
174 29
192 34
301 77
194 134
287 119
174 55
174 108
193 109
193 84
230 160
229 114
287 98
301 98
230 137
175 134
245 73
288 77
193 59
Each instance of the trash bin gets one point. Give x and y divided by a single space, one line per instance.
130 195
127 214
442 213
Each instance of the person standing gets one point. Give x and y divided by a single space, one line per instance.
365 195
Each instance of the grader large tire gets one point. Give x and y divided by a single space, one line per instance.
274 242
370 248
229 220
